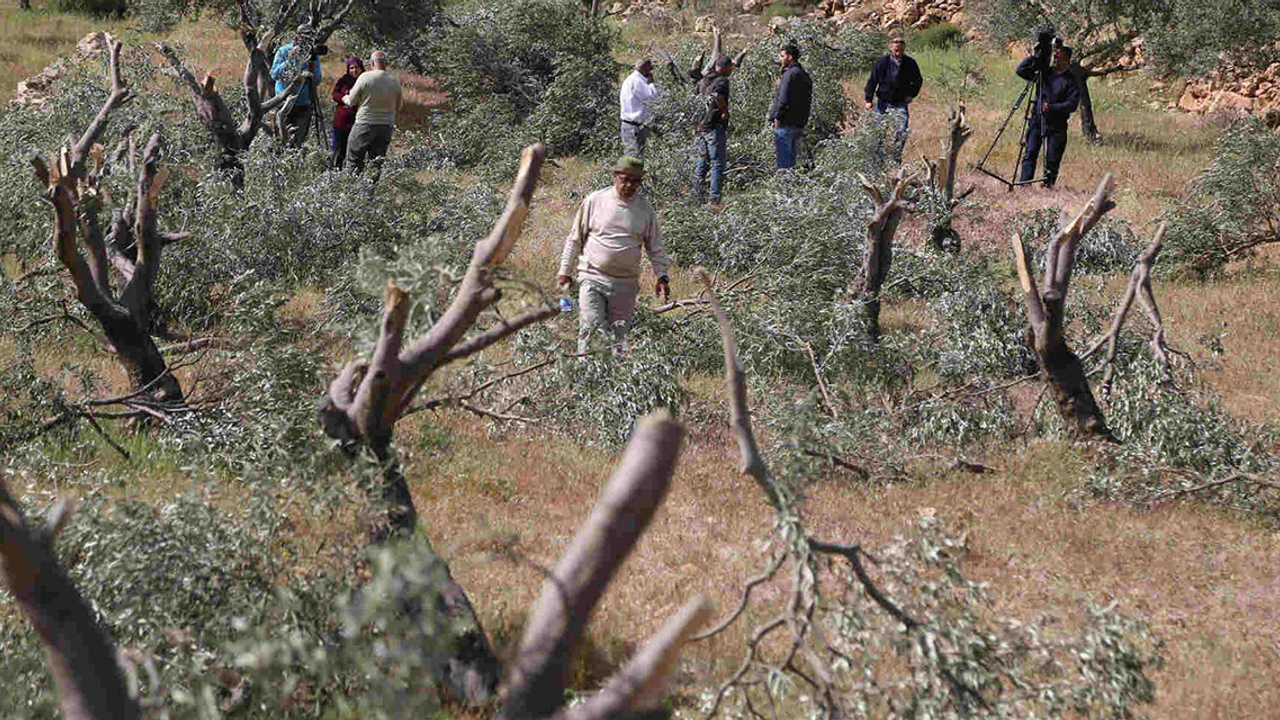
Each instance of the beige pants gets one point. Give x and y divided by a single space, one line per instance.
605 303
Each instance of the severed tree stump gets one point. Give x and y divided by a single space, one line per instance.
942 178
880 231
1063 371
129 254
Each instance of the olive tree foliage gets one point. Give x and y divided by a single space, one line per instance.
518 73
1232 207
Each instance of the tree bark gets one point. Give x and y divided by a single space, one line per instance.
81 657
1064 373
72 190
942 177
1088 125
880 231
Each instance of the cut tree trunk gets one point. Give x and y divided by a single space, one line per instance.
880 231
130 253
1088 125
1064 374
942 178
80 655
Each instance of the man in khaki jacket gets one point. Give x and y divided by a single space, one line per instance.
612 229
377 98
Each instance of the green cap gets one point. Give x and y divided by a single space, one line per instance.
629 164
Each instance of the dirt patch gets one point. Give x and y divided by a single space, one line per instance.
422 96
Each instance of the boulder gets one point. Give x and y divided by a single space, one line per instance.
1231 102
94 42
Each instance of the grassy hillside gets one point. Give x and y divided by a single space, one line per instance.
501 499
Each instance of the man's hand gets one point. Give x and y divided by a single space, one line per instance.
1044 107
662 288
866 106
564 281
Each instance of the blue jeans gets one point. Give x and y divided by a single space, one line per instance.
786 141
711 147
900 119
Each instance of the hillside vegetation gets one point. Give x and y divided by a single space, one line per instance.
224 543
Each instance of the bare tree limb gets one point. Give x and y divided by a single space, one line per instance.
80 655
1139 287
560 615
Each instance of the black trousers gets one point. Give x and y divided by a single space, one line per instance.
1054 140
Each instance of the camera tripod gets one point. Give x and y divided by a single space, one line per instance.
1038 83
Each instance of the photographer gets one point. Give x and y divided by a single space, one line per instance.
1057 97
291 59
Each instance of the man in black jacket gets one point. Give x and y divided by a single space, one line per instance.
790 110
1056 99
895 81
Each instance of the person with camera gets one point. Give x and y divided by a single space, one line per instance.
1056 98
295 57
377 97
789 112
895 81
637 93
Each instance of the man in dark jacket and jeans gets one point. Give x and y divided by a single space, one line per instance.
895 81
711 136
790 110
1057 98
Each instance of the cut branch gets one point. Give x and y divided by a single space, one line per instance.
1139 287
80 655
561 612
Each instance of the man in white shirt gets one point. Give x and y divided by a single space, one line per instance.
612 229
638 92
377 97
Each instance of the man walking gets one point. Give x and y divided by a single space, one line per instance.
1057 98
711 143
637 93
790 110
895 81
377 98
292 59
612 228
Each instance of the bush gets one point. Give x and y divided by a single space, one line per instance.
92 8
1232 207
943 36
519 72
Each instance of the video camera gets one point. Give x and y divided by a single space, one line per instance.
1046 42
319 50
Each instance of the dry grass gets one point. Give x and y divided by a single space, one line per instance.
31 40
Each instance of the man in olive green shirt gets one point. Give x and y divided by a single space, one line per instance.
377 97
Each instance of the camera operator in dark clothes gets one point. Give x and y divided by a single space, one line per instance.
1057 97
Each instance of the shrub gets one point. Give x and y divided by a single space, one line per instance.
522 71
943 36
1232 207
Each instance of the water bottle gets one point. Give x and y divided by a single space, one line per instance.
566 305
